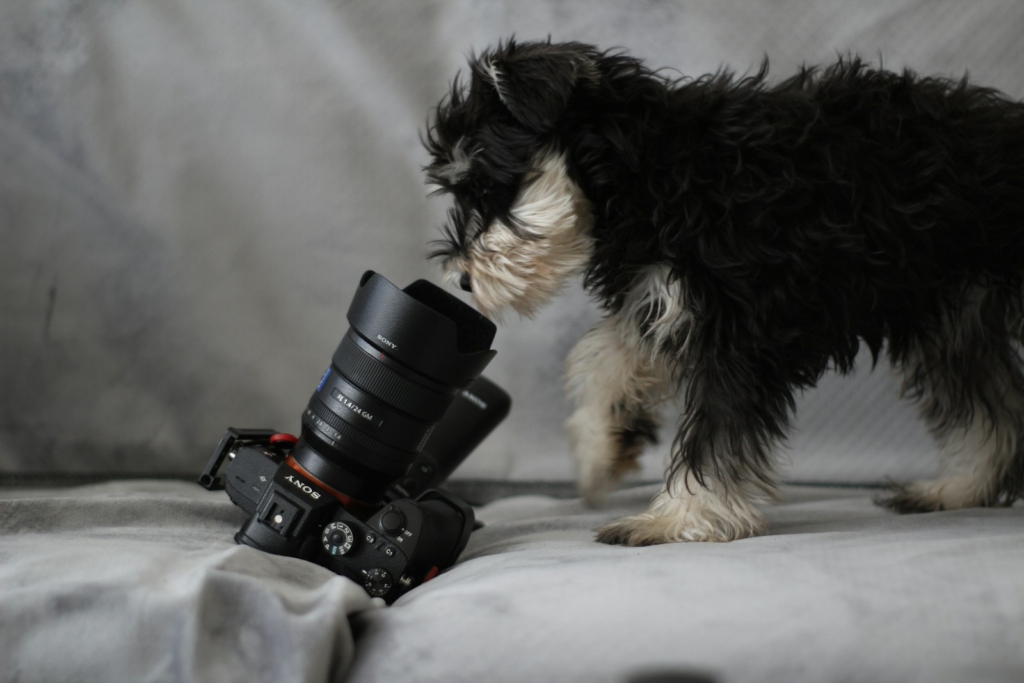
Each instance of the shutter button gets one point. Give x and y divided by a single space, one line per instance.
392 522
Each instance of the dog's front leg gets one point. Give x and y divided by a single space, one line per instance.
721 465
615 382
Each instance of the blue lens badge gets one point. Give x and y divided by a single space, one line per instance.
324 378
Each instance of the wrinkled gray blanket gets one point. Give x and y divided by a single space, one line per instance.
140 581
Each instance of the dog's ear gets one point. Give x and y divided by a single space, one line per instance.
535 80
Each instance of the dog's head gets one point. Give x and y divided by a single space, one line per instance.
519 226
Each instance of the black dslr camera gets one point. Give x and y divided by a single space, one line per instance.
400 407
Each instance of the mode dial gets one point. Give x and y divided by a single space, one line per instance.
337 538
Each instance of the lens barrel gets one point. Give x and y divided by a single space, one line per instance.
394 374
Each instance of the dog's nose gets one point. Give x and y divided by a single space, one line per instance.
466 283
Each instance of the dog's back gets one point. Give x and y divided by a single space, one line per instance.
834 202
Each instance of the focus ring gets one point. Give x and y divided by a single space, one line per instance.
351 435
383 383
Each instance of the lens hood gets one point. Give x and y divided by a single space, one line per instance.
423 327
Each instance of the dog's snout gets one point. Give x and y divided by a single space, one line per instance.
466 283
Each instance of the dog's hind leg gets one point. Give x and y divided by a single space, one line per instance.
970 388
615 382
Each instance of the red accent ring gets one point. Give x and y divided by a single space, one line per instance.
280 439
341 497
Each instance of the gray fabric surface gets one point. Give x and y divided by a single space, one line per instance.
190 190
839 591
140 581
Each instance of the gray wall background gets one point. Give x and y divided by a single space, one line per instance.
190 190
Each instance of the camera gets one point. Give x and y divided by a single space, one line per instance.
401 405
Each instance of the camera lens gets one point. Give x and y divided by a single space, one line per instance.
394 374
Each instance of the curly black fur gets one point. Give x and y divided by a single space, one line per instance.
843 204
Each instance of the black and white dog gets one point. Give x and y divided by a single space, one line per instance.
742 238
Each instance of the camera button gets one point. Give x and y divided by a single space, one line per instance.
377 581
392 522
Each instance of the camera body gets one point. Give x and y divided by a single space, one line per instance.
388 550
401 405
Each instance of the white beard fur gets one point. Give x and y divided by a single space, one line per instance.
523 271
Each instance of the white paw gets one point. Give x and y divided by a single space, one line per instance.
698 517
933 495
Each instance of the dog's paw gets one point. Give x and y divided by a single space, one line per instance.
934 495
903 500
696 515
648 529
